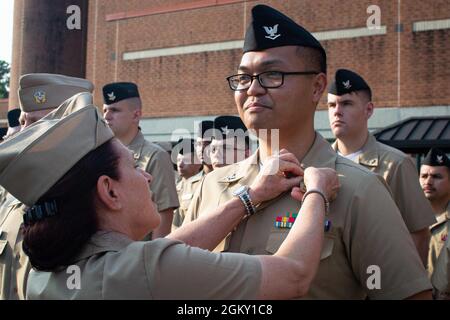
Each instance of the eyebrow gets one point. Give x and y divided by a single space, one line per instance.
264 64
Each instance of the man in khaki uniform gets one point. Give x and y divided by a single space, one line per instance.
230 143
189 168
349 109
368 251
441 274
435 182
39 94
202 144
123 110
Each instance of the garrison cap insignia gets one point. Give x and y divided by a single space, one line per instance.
271 31
347 84
40 97
111 96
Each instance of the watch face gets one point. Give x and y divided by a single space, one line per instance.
239 190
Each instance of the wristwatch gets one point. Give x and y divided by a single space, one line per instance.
242 193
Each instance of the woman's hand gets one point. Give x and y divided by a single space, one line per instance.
280 173
323 179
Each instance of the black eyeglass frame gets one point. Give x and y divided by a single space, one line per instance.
257 76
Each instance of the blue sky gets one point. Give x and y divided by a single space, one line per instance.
6 26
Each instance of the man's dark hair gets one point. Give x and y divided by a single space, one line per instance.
367 93
314 58
55 241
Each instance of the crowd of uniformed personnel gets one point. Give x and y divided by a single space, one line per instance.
351 220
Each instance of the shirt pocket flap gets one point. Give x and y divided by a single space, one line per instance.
275 240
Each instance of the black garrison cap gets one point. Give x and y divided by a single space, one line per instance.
227 123
117 91
204 126
346 81
436 158
270 28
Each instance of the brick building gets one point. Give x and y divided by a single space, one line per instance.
180 51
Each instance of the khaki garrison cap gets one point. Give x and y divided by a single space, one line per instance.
36 158
41 91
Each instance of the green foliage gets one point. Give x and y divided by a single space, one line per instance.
4 79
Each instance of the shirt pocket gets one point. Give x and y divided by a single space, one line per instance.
278 235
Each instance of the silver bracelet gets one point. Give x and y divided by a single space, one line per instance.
327 203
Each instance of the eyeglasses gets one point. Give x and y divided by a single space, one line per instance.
267 80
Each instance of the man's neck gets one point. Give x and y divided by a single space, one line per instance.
129 136
439 206
348 146
297 144
207 169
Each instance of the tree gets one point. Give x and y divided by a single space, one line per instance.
4 79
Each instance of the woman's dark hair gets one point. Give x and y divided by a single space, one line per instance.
56 240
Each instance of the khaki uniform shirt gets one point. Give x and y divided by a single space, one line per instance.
441 275
185 190
439 234
399 172
155 161
14 264
366 229
111 266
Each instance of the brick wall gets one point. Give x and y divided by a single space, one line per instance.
405 69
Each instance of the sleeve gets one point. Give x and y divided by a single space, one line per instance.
409 197
163 183
382 253
441 275
178 271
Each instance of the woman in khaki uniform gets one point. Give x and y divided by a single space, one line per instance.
88 204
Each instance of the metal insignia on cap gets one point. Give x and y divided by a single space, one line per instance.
111 96
439 159
347 84
225 130
40 97
271 31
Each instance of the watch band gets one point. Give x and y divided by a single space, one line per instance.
326 202
247 201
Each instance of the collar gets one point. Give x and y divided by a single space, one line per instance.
137 144
442 217
243 171
197 177
369 156
104 241
320 154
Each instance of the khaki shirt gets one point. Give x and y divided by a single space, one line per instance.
441 275
111 266
439 235
185 190
14 264
399 172
366 229
155 161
